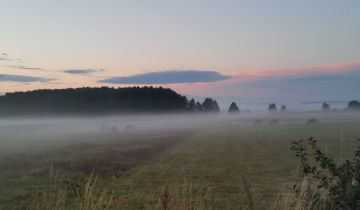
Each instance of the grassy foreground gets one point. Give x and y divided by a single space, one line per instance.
241 167
246 168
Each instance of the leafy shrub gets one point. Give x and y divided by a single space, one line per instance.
331 185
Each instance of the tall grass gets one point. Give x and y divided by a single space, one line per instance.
305 198
61 194
187 196
53 197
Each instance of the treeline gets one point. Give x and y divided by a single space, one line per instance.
101 100
353 105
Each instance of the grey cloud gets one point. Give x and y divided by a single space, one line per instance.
304 87
168 77
82 71
22 79
4 57
326 77
319 78
27 68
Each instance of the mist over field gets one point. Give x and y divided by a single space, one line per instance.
46 132
182 151
179 105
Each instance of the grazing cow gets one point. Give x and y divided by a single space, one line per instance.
258 122
108 129
312 121
129 128
104 128
274 122
233 124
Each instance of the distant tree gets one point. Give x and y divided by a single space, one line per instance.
199 107
283 108
272 107
191 106
233 108
354 105
325 107
210 105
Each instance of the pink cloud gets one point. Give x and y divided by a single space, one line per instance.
321 69
237 85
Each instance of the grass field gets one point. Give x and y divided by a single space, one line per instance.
213 167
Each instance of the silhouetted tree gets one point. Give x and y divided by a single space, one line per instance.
354 105
283 108
272 107
210 105
199 107
233 108
191 106
325 107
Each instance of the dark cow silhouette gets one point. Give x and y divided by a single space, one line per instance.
312 121
108 129
233 124
130 128
274 122
258 122
105 128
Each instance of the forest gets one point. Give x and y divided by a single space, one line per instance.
103 100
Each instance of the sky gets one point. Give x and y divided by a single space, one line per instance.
248 50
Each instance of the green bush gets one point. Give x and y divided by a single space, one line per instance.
332 185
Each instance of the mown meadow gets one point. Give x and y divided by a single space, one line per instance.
224 165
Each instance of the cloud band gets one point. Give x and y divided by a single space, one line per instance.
168 77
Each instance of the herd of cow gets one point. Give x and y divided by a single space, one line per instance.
258 122
114 129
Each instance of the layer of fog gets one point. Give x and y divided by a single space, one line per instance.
27 134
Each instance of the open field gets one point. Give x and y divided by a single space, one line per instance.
207 163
